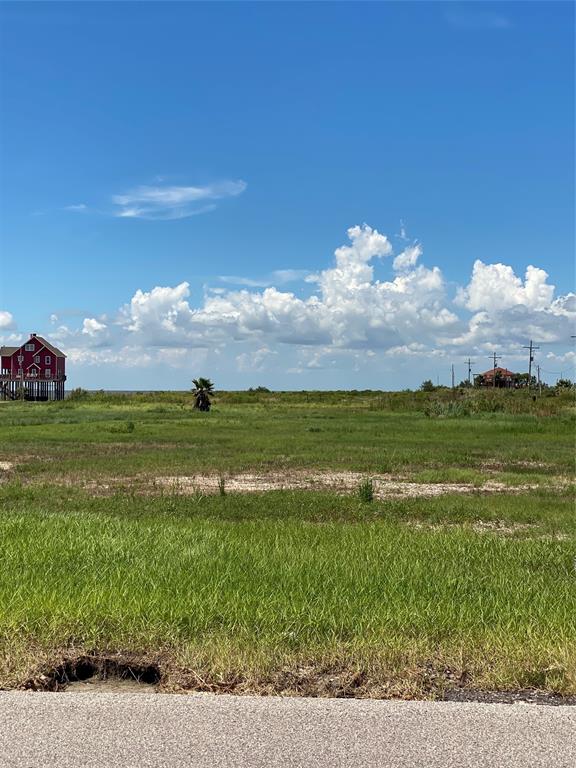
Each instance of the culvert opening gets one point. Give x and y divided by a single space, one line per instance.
98 673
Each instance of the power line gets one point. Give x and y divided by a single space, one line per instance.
531 360
470 363
495 358
553 373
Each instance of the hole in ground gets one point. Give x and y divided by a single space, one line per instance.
97 672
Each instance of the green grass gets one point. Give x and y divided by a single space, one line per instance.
247 585
267 590
94 438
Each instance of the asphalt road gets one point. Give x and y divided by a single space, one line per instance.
139 730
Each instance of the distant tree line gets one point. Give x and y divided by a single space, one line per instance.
519 381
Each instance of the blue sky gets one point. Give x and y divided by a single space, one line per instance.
176 179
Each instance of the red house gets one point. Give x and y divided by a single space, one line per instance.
504 377
36 370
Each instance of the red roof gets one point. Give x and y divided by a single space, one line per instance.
9 351
55 351
502 371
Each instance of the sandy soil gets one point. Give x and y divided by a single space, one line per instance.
110 685
385 486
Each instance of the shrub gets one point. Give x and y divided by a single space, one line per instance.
78 394
366 490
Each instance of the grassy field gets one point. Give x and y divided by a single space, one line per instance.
314 592
122 436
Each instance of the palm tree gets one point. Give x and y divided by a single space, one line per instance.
203 388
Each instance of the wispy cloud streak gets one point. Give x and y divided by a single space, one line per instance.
466 18
173 202
278 277
76 207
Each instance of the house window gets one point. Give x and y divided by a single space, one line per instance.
29 347
48 373
33 372
19 371
47 360
20 358
36 358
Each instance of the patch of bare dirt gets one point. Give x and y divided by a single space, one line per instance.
6 466
118 673
499 526
498 466
112 674
385 486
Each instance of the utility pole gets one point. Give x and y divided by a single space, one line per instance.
495 357
22 390
470 364
531 348
452 375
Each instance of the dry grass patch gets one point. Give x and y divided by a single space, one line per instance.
392 675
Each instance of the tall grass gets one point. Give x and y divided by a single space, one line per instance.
241 587
251 594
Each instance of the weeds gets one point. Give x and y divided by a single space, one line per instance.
126 427
451 409
366 490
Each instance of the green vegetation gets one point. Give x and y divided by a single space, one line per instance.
365 432
247 585
306 591
366 490
203 388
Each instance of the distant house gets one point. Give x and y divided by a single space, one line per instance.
504 378
36 370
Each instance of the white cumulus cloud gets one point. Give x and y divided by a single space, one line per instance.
350 319
495 287
160 313
408 257
6 320
91 326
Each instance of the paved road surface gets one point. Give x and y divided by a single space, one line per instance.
105 730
